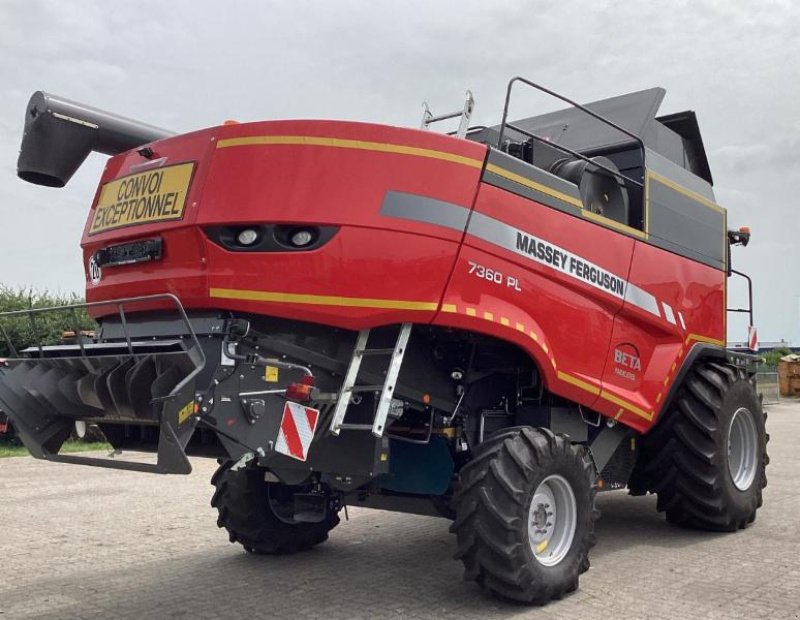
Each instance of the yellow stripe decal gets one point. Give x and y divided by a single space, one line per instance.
576 202
699 338
591 215
588 387
342 143
323 300
534 185
612 398
685 191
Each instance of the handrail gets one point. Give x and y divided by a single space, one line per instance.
575 104
749 309
564 99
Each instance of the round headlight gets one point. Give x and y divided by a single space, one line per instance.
301 238
247 237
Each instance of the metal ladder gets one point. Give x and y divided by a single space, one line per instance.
349 386
466 113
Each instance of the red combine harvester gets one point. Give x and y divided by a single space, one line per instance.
492 325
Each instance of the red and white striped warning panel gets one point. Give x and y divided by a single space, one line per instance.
297 430
752 338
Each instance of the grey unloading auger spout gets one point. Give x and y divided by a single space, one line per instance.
59 135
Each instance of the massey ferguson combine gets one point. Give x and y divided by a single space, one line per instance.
492 325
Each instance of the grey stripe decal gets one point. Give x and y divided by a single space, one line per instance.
641 299
455 217
423 209
546 253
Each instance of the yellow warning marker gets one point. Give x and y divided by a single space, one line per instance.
542 546
186 412
271 374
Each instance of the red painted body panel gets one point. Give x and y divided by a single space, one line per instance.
692 290
571 320
372 257
380 270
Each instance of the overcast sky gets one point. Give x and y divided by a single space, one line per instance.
183 65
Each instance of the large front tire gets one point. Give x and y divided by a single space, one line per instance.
249 509
525 515
706 459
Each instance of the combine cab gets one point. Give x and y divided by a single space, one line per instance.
492 326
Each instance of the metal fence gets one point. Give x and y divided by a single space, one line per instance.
767 380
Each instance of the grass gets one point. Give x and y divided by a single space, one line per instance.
7 449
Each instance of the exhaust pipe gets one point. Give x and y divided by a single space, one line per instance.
59 134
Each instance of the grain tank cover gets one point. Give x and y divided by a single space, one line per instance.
676 136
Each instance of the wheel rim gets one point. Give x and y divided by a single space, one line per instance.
742 448
552 520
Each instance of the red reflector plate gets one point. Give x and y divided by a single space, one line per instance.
297 430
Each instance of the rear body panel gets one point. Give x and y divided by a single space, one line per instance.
428 233
379 267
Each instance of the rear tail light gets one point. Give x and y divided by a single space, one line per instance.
271 237
247 237
303 237
300 391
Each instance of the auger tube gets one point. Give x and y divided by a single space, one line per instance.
59 134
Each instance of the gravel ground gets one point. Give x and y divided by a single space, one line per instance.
80 542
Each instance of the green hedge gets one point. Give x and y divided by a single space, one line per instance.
47 327
771 358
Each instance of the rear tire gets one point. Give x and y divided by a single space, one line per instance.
508 538
247 512
706 459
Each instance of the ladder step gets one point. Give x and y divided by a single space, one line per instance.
365 388
355 427
376 351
